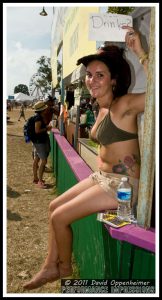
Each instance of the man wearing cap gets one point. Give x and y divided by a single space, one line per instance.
41 143
51 110
50 114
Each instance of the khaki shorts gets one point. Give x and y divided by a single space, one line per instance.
110 181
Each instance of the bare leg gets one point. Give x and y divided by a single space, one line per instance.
41 168
89 201
49 271
70 206
35 168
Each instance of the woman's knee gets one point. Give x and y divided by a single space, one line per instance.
58 218
52 206
43 162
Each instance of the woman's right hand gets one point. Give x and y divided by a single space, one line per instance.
133 42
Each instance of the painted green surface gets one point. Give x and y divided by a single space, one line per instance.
144 264
97 254
65 176
88 248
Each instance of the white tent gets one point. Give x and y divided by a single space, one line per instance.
20 97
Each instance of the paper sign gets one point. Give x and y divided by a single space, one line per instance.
108 27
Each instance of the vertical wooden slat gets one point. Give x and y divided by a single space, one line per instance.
148 152
62 115
76 127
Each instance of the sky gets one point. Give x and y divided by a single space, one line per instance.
27 37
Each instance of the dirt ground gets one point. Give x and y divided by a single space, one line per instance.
27 212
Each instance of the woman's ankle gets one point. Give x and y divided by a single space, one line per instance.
65 269
51 262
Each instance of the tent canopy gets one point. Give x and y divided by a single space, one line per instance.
23 97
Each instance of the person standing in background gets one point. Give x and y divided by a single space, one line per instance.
90 116
49 115
22 112
41 144
51 111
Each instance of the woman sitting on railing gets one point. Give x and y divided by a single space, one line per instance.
108 78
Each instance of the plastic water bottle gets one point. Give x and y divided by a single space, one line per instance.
124 195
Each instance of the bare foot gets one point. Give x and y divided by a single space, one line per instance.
65 271
46 274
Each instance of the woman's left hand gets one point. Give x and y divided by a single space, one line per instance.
133 42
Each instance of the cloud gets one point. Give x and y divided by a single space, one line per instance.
21 65
28 37
18 46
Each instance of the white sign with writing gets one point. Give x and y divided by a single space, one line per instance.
108 27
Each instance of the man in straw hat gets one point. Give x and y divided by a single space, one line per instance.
41 145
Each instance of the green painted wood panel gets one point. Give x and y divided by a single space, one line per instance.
88 248
64 174
111 249
143 264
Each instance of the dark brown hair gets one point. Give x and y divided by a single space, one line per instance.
112 57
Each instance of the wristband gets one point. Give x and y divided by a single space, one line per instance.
143 57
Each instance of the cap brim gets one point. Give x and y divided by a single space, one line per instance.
41 109
85 60
101 56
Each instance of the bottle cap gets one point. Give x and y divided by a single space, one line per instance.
124 179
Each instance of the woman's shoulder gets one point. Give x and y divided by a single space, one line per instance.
120 107
122 102
131 103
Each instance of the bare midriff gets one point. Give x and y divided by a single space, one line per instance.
121 158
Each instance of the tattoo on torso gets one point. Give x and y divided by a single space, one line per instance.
126 165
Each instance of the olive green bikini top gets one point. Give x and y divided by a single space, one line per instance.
107 132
